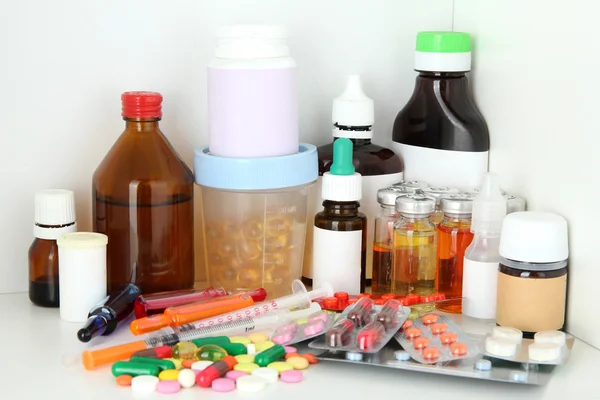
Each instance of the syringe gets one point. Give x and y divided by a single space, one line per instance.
299 299
92 359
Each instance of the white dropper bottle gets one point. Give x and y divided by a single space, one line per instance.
480 268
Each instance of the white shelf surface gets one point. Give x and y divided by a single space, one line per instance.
42 360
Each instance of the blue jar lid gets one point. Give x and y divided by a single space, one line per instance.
260 173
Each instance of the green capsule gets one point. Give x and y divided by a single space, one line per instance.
134 369
270 355
160 363
234 349
218 340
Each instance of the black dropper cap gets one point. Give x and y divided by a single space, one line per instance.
94 326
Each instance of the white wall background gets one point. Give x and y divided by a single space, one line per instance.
66 62
534 78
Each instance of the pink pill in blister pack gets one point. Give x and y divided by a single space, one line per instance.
294 332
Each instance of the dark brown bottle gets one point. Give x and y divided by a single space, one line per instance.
143 202
54 217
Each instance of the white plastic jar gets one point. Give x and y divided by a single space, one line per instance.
81 273
252 94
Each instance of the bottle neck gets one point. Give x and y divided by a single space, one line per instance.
443 83
388 210
356 142
141 124
341 208
415 217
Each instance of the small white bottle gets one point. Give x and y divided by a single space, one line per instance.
480 268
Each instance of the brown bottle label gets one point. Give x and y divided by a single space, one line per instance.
531 305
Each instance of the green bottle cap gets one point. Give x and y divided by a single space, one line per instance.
342 157
443 42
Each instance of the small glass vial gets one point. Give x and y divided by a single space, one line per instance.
410 186
414 245
438 193
454 236
382 243
54 217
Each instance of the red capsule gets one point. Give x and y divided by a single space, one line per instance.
360 314
369 335
214 371
339 334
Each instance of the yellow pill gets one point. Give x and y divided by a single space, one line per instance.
262 346
239 339
302 321
281 366
258 337
244 359
177 363
168 375
298 362
246 367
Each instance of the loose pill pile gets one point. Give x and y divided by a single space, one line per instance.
223 364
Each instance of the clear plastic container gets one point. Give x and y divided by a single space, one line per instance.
254 218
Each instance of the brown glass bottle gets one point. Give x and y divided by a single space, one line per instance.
343 216
54 217
143 202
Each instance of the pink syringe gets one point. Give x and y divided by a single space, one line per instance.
300 299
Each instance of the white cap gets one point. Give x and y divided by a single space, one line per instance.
353 109
54 207
534 237
489 207
342 187
252 41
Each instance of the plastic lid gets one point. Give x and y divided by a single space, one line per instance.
461 203
388 196
341 183
353 109
141 105
252 41
415 204
259 173
535 237
54 207
443 52
82 240
443 42
489 207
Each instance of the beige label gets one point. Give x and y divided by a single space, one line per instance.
531 305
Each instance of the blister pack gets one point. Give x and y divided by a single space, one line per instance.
363 327
301 330
435 338
340 300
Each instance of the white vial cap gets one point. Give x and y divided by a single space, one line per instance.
54 207
252 41
353 109
489 207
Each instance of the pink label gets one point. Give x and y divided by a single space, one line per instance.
253 112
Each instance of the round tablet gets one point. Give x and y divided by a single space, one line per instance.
168 387
280 366
407 324
458 349
201 365
187 363
239 339
223 385
438 329
144 384
244 359
544 351
504 332
262 346
412 333
250 384
448 337
124 380
282 338
311 358
354 356
251 349
292 376
420 343
483 365
290 355
500 347
518 376
402 355
245 367
258 337
290 349
186 378
430 319
556 337
431 353
297 362
235 375
168 375
270 375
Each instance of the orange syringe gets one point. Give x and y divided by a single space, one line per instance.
176 316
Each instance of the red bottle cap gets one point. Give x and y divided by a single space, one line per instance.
342 298
331 303
141 105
